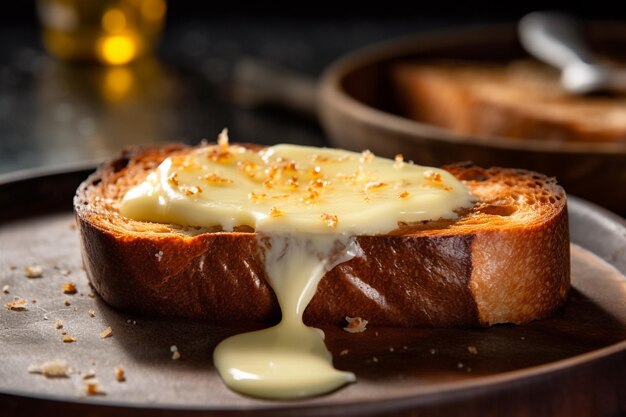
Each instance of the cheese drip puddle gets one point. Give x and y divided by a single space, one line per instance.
307 205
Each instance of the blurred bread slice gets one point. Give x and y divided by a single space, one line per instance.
522 99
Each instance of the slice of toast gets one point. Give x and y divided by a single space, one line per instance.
522 99
504 260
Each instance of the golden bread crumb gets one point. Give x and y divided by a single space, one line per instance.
120 375
355 325
18 304
108 332
275 212
68 339
91 313
58 324
5 289
404 195
55 368
67 302
215 179
222 140
372 185
69 288
398 161
93 387
472 350
331 220
33 271
173 179
366 156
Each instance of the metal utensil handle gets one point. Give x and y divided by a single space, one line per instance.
258 83
554 38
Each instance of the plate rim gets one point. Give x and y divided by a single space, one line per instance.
578 209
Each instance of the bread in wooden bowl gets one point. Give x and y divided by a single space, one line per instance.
505 260
522 99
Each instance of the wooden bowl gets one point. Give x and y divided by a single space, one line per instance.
357 110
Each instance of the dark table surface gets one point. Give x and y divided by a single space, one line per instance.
53 114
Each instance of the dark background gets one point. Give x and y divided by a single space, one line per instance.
54 115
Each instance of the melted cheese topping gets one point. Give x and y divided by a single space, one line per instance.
306 205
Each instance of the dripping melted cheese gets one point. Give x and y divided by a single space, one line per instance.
306 205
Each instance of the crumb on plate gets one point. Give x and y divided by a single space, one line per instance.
33 271
55 368
108 332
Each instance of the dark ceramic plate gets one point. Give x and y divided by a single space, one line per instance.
573 364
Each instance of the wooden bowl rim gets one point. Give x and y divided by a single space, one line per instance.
332 94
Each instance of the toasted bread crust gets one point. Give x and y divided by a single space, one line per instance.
505 260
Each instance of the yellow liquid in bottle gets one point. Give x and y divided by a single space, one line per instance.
112 32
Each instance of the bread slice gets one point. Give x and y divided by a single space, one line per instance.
523 99
504 260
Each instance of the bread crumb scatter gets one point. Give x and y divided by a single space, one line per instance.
344 352
93 387
355 325
108 332
375 359
460 365
331 220
433 351
58 324
55 368
472 350
159 255
120 375
65 272
91 313
67 302
69 288
33 301
391 349
68 339
6 289
12 267
18 304
91 294
404 195
33 271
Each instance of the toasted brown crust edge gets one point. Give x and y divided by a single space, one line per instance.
433 279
